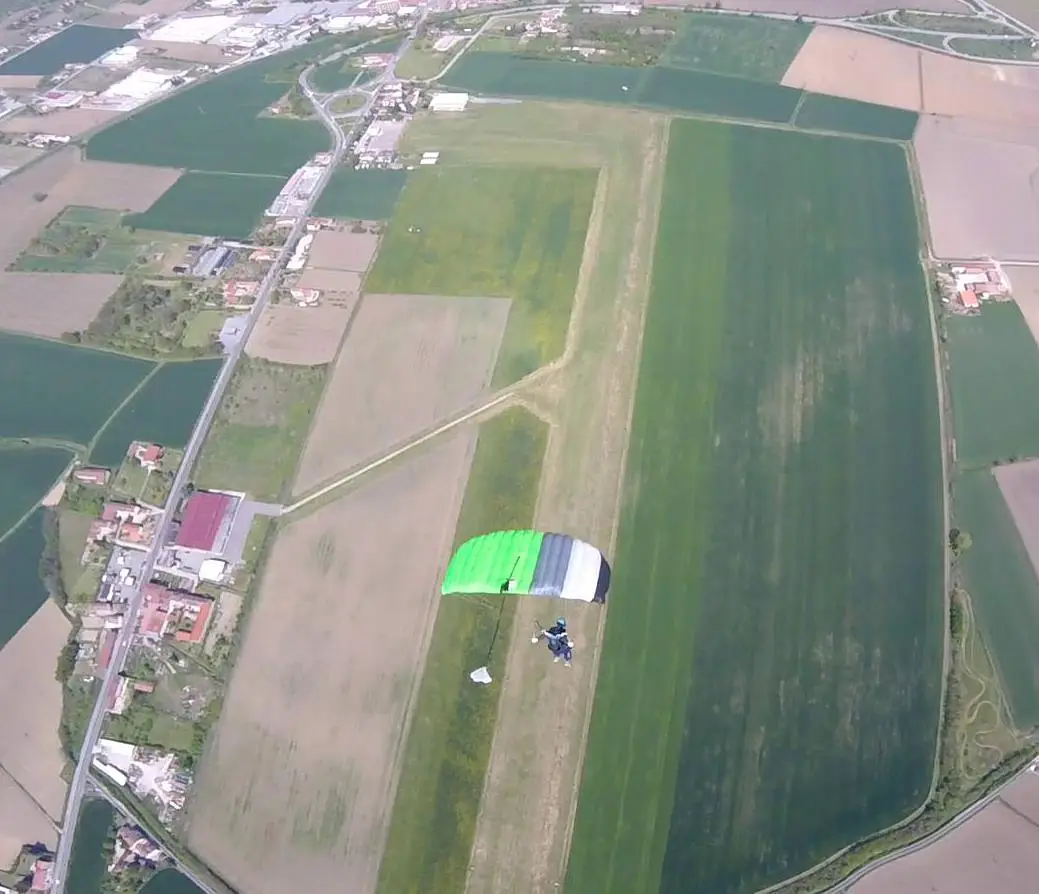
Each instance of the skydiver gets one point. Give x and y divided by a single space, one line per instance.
558 640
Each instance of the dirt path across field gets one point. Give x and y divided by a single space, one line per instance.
522 837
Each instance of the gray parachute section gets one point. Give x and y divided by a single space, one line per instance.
552 565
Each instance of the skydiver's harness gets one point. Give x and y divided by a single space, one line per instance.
558 641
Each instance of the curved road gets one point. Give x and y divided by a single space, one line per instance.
191 451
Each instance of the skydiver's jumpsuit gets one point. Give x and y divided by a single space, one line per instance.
559 642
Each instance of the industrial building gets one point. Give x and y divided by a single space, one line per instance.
295 195
137 88
299 256
448 102
206 521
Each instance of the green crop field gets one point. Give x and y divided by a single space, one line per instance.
449 743
91 240
260 428
489 72
494 232
1003 590
713 94
25 477
745 46
225 205
60 391
993 360
361 195
24 592
164 410
819 112
782 526
80 43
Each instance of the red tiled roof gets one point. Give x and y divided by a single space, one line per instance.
107 645
202 517
198 629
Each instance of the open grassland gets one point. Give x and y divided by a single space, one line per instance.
30 703
756 48
299 798
217 126
408 363
78 44
818 112
260 427
164 410
993 359
24 592
225 205
361 195
25 476
787 639
448 745
1003 590
517 233
71 391
332 76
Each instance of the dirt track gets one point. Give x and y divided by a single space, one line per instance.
408 362
298 798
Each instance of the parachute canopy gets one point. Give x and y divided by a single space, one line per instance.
528 563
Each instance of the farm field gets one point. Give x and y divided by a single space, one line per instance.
448 745
343 251
993 359
714 94
20 554
524 236
1003 588
20 820
767 665
361 195
80 43
61 302
301 797
225 205
25 476
305 336
757 48
73 391
91 240
164 410
169 881
409 362
260 426
818 112
30 704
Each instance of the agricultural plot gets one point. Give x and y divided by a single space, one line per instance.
91 240
757 48
818 112
1003 589
78 44
448 746
259 429
993 360
517 233
787 640
713 94
164 410
24 592
72 390
304 336
361 195
299 798
409 362
225 205
25 476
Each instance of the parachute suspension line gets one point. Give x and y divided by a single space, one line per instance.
482 675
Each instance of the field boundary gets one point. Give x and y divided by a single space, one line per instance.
97 435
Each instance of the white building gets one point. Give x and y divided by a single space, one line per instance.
135 89
120 56
448 102
299 256
194 29
211 570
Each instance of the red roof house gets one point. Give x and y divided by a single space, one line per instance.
203 516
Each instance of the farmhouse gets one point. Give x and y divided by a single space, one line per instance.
206 521
167 612
148 456
91 475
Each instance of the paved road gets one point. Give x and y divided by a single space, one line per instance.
198 435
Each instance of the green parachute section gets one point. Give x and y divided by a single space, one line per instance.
528 563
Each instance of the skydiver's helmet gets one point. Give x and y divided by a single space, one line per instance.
561 622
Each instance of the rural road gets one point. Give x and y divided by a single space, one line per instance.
202 426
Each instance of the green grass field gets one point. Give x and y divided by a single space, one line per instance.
782 527
745 46
517 233
225 205
449 743
70 393
25 477
1003 589
260 428
714 94
819 112
203 328
993 360
73 528
80 43
164 410
361 195
91 240
24 592
333 76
